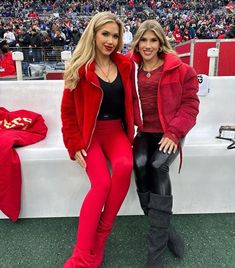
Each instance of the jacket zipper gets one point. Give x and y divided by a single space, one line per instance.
159 104
93 129
137 93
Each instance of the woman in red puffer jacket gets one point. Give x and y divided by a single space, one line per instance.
165 109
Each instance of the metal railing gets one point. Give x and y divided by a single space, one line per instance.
38 69
42 54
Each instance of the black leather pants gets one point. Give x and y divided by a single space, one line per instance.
151 166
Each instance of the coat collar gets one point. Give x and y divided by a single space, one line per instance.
171 61
123 63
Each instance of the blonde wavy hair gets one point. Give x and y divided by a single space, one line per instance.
156 28
84 52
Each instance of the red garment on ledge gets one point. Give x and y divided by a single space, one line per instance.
17 128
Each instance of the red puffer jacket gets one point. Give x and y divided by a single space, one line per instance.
177 101
80 107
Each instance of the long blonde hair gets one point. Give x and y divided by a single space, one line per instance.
156 28
84 52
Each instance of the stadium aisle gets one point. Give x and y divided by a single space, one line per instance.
46 243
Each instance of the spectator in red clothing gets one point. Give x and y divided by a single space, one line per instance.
174 5
151 3
131 3
221 34
186 36
7 65
33 14
180 6
177 35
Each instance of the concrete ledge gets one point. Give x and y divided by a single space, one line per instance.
54 186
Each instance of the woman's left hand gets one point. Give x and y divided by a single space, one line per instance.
167 145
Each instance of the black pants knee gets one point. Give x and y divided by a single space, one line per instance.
151 166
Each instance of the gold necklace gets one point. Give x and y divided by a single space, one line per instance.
155 66
106 75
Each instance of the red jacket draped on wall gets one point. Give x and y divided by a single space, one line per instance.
80 107
18 128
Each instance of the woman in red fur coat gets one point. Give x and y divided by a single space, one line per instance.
97 125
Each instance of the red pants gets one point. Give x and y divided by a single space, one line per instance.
108 189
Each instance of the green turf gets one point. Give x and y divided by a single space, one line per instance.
47 243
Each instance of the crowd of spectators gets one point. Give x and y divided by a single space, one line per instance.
48 23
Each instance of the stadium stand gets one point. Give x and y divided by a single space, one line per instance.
42 29
38 23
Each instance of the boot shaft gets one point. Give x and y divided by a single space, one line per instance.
144 201
161 203
159 216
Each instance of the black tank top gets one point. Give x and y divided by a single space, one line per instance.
112 106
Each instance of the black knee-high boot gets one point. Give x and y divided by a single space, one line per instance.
159 215
175 241
144 201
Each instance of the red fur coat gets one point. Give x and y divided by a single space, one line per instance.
80 107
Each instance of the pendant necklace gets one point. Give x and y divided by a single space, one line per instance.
106 75
148 74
